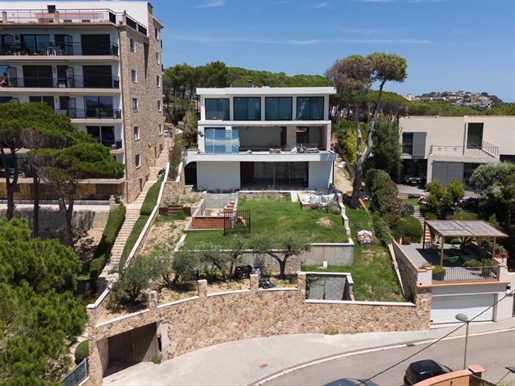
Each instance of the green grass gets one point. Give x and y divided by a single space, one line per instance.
372 271
411 201
279 215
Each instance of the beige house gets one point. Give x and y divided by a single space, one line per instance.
98 63
446 148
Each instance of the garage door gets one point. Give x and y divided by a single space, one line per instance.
445 308
446 171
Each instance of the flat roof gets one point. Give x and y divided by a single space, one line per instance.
264 91
451 228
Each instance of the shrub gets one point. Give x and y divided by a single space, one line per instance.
175 156
407 210
114 224
81 352
409 227
151 199
438 270
430 216
382 230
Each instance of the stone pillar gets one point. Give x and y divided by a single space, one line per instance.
112 202
254 282
153 301
301 283
291 135
202 288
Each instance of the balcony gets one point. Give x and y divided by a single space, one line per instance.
91 113
66 17
486 150
100 81
52 49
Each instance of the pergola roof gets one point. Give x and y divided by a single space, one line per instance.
450 228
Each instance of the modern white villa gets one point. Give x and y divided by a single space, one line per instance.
260 138
446 148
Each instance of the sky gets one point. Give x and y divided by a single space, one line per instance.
449 45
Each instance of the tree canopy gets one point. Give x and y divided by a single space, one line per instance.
353 78
39 315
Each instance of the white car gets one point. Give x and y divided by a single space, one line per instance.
167 133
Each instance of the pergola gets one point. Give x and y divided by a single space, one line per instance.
450 228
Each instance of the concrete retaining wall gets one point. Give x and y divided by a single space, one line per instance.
50 218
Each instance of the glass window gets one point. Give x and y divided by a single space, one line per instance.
158 58
158 105
102 134
278 108
35 43
247 109
134 75
475 136
134 103
407 143
99 107
217 108
136 132
160 128
137 160
219 140
310 108
158 81
133 45
46 99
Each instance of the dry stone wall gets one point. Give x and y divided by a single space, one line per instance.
207 320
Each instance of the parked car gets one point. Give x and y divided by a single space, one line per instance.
351 382
424 369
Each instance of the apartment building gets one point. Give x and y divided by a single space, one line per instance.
100 64
262 138
445 148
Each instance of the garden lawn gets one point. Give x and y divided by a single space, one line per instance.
279 215
372 270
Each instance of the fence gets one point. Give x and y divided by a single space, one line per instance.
77 375
466 274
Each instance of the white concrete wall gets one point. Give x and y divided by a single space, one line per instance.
259 136
320 175
218 175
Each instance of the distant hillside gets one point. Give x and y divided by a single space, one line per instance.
478 101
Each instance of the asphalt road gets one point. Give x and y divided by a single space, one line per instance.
493 351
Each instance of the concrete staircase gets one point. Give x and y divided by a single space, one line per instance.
133 212
420 218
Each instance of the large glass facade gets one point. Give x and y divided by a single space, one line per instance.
246 109
221 141
278 108
310 108
217 108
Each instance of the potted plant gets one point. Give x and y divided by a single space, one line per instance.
438 272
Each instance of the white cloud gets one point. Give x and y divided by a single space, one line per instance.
211 4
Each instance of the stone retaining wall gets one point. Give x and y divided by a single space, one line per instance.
207 320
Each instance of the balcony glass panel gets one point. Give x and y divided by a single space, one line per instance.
221 141
102 134
217 108
278 109
310 108
99 107
247 109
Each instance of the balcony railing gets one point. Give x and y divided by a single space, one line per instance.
466 274
91 113
486 149
99 81
52 49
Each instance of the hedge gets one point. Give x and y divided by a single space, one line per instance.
81 352
151 199
409 227
114 224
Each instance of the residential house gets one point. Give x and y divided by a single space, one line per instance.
262 138
445 148
98 63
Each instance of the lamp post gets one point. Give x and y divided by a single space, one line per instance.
464 318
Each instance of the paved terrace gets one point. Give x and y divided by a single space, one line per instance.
454 268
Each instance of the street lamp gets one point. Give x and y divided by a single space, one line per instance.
464 318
